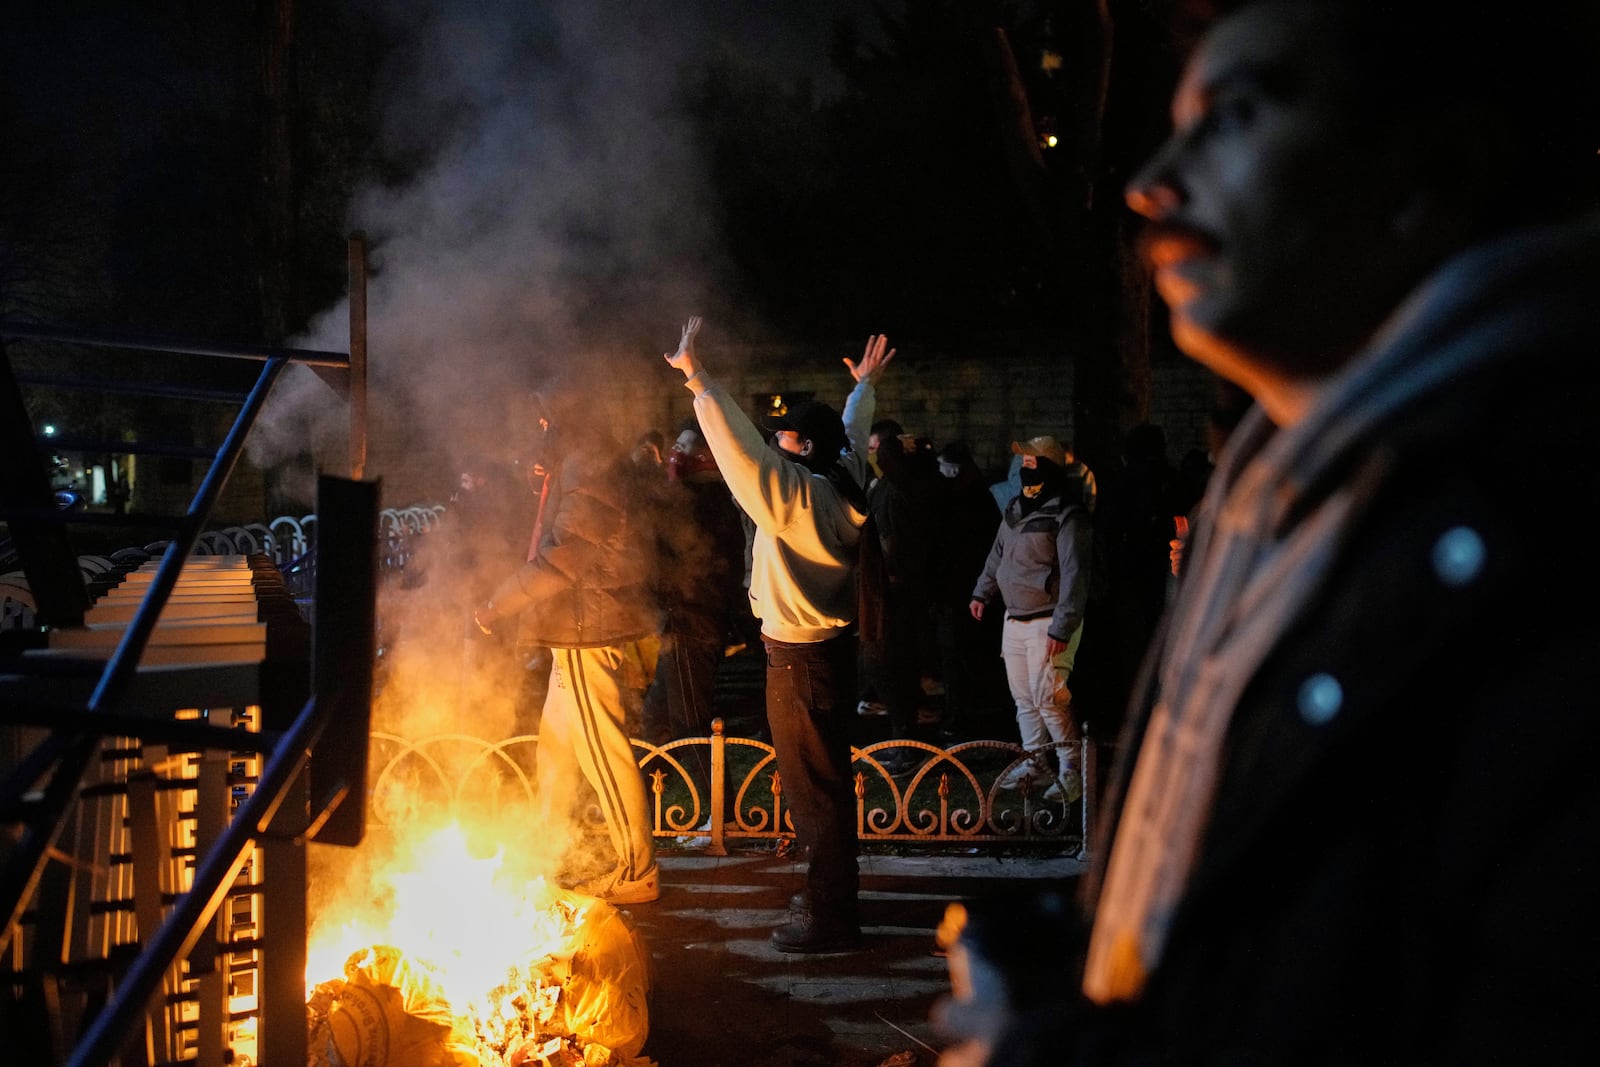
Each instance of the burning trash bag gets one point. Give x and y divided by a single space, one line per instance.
388 1010
585 1005
594 999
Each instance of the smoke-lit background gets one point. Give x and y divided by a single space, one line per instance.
559 217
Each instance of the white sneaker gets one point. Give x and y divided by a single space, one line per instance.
613 888
1021 772
871 707
1064 788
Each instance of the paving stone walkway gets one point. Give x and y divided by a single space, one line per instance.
723 997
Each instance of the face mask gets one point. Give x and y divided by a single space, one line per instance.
1033 480
804 450
681 465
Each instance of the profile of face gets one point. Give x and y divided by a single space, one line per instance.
1273 204
791 442
542 449
689 443
689 457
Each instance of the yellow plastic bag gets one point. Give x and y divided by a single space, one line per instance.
387 1011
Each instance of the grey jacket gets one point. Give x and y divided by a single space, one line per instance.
1040 564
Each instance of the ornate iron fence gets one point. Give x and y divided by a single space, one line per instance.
705 791
709 791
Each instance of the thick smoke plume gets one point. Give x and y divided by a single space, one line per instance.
557 222
557 225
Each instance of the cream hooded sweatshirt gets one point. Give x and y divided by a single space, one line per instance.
803 570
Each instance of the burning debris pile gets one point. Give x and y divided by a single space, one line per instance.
386 1009
562 980
442 940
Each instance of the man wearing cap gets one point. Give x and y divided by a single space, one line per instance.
1039 567
805 490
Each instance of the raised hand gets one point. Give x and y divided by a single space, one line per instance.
874 360
684 358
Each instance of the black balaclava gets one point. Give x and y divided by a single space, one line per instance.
819 460
1043 481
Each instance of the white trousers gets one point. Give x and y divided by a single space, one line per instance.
584 731
1039 682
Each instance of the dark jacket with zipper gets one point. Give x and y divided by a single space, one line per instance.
589 583
1407 873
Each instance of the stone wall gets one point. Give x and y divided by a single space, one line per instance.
987 399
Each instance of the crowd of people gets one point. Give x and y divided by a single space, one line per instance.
1352 817
918 549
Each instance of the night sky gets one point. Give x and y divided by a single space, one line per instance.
540 140
536 186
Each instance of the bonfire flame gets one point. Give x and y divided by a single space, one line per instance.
475 969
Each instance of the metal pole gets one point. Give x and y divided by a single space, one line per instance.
146 727
154 342
358 354
718 800
1091 774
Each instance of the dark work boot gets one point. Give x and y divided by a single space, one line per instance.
813 928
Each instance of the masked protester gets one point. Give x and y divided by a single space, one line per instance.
700 585
805 489
891 662
1039 568
963 535
585 595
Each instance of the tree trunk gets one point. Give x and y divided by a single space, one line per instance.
1108 300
